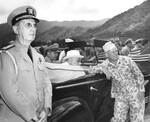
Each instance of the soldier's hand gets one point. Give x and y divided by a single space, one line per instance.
107 73
34 119
141 96
42 117
95 69
48 111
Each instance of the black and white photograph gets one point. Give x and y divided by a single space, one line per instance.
74 60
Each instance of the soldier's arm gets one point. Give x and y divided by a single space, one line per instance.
10 92
101 68
96 69
137 75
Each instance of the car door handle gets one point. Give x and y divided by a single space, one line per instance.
93 89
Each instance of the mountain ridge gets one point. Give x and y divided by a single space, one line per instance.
63 29
133 23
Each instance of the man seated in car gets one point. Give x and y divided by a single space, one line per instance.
73 57
51 53
68 70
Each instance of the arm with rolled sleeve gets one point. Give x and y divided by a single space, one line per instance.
96 69
101 68
13 97
137 75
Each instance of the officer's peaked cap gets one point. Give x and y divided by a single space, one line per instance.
20 13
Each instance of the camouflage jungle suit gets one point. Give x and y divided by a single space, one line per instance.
127 89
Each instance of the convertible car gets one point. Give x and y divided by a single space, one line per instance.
82 98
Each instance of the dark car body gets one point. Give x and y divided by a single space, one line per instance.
84 99
92 91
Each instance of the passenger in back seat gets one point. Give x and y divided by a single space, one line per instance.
68 70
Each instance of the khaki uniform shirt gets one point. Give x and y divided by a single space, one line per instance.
25 87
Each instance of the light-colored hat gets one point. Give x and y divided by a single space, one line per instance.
53 47
69 40
128 41
139 40
72 54
109 46
23 12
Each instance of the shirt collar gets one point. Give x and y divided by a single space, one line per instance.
22 51
111 64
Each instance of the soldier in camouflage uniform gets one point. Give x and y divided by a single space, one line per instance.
127 85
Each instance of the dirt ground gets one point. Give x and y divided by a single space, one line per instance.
147 118
147 114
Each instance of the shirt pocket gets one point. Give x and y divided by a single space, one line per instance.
40 66
25 67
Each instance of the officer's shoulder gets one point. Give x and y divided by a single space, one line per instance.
8 47
4 56
6 59
5 52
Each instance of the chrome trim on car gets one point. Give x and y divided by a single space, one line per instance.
77 84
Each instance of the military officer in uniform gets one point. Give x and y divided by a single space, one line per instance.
25 88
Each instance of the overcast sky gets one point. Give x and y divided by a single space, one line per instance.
60 10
